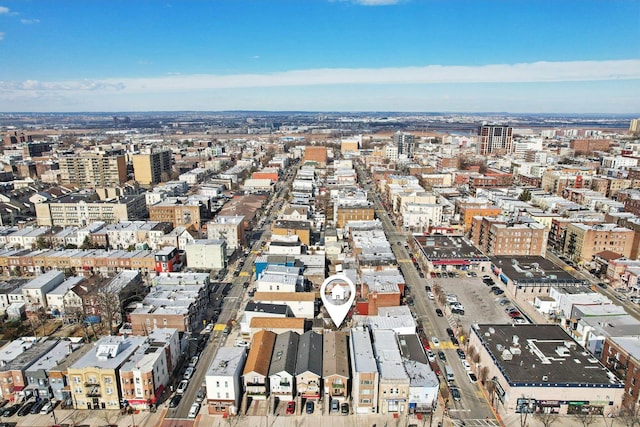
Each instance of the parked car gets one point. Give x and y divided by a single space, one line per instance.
461 354
431 356
200 395
47 408
450 333
208 328
182 387
466 365
335 406
35 409
188 373
291 407
430 295
10 411
175 401
602 285
455 393
472 377
455 341
26 408
309 407
193 411
439 312
194 361
344 409
498 291
515 314
442 356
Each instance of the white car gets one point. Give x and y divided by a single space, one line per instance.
182 386
193 411
435 341
194 362
209 327
241 343
430 295
431 356
466 365
188 372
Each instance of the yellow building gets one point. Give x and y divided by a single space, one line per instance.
583 241
94 379
148 168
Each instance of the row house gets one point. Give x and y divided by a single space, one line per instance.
335 365
126 234
309 366
256 370
73 261
282 368
17 358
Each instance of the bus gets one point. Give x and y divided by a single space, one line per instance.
449 373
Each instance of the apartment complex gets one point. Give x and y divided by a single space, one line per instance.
149 167
494 140
583 241
93 170
502 236
79 210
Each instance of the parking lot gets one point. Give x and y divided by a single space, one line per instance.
481 305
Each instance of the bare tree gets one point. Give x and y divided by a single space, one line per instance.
111 417
546 419
444 392
628 417
586 418
483 374
77 417
108 302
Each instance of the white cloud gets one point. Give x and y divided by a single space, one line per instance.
30 21
3 10
537 72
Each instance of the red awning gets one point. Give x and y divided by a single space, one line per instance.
158 393
18 388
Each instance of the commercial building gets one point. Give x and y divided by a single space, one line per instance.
393 393
449 253
622 356
539 368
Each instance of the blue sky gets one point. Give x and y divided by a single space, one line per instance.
575 56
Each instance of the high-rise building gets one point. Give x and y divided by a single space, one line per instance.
494 139
149 167
405 143
634 126
93 170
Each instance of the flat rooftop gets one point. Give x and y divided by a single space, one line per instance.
542 356
448 248
533 269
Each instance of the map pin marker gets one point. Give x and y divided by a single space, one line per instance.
338 293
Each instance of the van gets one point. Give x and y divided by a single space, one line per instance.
449 374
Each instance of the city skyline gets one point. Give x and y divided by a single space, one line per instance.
364 55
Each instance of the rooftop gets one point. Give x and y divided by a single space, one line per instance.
533 269
226 362
448 247
542 356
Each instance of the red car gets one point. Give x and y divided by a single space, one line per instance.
291 408
514 314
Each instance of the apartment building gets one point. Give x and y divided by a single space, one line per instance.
364 372
583 241
228 228
147 372
302 229
394 383
148 168
223 381
94 378
505 236
621 356
93 170
19 356
181 211
207 254
256 370
79 210
494 140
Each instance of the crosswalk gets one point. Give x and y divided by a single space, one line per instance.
475 422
